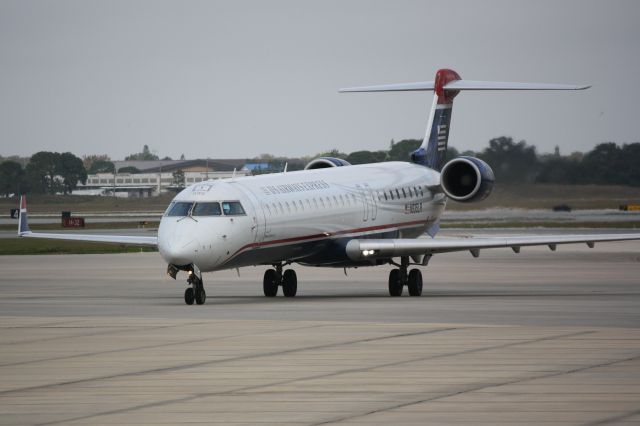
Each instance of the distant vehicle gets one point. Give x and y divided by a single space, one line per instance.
333 214
562 208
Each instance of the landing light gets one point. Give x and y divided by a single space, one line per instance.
367 252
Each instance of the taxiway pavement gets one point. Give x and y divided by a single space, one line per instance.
539 337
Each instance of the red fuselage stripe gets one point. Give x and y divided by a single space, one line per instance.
315 236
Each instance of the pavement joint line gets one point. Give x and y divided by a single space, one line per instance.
247 388
242 391
615 419
113 329
183 342
211 362
482 387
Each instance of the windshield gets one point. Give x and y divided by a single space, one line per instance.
179 209
207 209
232 208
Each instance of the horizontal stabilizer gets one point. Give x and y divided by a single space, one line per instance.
399 87
463 85
499 85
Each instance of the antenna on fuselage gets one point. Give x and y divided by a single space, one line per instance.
285 167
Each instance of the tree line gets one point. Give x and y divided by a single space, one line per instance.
513 162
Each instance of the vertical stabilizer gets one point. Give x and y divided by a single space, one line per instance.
23 223
433 150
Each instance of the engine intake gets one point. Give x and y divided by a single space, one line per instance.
324 162
467 179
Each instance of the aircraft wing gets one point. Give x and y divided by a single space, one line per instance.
24 231
362 249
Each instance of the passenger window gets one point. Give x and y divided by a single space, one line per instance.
335 200
315 203
391 194
232 208
398 193
322 202
385 195
410 192
301 205
206 209
404 194
180 209
341 200
328 202
421 193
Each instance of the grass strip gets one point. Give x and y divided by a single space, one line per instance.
13 246
88 225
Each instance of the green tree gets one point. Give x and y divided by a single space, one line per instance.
88 160
101 166
12 178
145 155
361 157
332 153
72 171
178 178
42 171
401 150
511 162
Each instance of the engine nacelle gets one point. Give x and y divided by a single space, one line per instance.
324 162
467 179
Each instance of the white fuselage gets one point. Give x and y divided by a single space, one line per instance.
304 216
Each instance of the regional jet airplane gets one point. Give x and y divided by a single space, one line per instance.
333 214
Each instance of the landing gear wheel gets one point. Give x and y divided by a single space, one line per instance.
189 296
415 282
270 283
289 283
395 284
200 296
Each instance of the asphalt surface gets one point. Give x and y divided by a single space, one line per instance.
530 338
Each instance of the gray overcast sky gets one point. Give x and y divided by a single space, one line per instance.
241 78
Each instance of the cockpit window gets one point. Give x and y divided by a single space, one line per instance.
232 208
207 209
179 209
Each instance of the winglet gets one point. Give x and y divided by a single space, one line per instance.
23 223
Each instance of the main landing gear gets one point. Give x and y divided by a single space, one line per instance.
399 277
196 292
274 278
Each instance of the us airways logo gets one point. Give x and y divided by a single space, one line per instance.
443 136
413 208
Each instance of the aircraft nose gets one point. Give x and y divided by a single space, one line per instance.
178 250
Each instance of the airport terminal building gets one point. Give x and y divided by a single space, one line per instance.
142 179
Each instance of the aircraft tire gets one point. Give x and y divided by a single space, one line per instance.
414 283
270 283
289 283
200 296
188 296
395 284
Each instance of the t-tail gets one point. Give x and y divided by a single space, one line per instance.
446 85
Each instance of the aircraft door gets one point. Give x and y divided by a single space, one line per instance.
373 204
258 218
362 194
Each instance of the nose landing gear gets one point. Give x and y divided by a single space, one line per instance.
274 278
195 292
